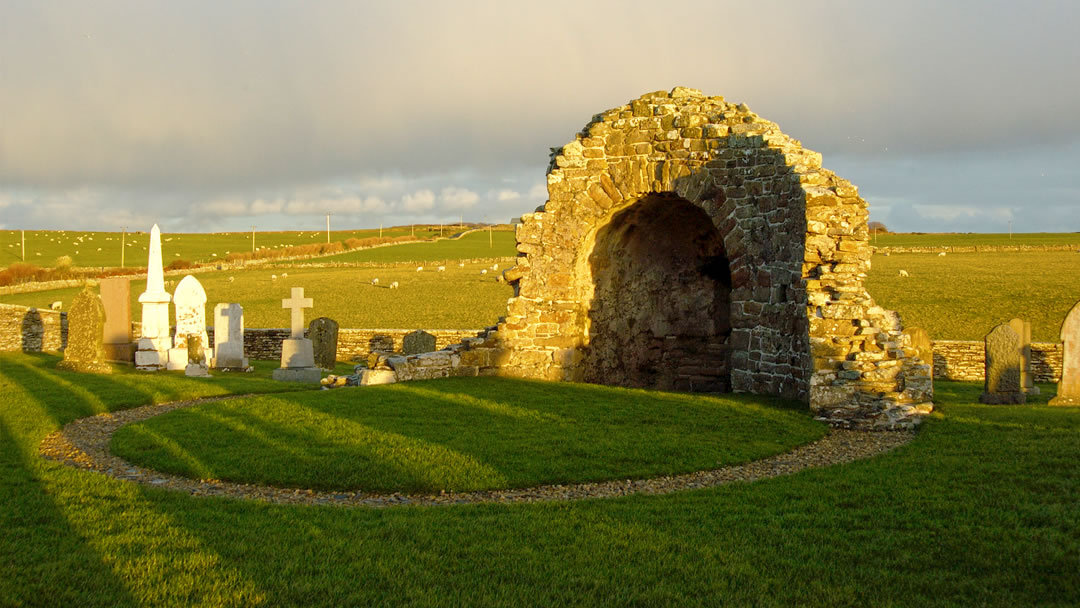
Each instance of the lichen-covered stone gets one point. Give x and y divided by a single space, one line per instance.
85 350
1003 362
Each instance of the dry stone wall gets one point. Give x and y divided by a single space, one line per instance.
691 185
966 360
32 330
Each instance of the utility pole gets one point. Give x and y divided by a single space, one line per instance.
327 228
123 244
380 230
23 245
252 239
412 228
1010 230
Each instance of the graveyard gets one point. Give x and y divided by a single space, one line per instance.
720 415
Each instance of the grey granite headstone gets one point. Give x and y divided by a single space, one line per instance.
229 338
85 350
1027 379
1003 363
323 333
416 342
1068 391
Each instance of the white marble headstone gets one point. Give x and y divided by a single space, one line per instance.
229 337
189 302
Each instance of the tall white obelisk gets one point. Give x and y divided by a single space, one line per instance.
155 341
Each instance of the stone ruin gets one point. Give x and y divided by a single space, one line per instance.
687 244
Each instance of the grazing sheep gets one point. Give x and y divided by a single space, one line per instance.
941 255
441 269
375 281
903 273
419 269
273 277
494 266
461 265
394 285
284 275
57 305
231 279
484 271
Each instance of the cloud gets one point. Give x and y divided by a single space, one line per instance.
456 198
421 200
507 194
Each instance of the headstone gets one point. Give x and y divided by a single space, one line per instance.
1027 379
1003 362
229 338
416 342
85 351
152 350
297 356
116 298
323 333
189 301
919 341
1068 391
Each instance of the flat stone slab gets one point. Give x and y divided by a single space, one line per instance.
84 444
310 375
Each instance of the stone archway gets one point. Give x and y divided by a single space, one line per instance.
659 317
793 234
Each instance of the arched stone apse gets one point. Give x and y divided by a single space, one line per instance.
688 244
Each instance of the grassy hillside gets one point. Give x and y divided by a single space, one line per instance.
973 240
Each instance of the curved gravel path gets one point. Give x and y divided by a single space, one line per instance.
84 444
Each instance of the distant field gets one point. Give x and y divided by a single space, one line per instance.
973 240
479 244
459 298
962 296
103 248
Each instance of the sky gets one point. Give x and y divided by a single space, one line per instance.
214 116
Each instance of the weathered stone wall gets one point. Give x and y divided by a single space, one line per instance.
977 249
777 238
965 360
31 329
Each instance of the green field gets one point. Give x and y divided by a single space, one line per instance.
962 296
478 244
459 298
975 240
462 434
97 249
980 509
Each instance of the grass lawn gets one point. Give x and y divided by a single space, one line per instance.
478 244
459 298
979 510
93 249
962 296
973 240
462 434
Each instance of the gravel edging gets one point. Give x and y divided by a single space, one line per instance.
84 444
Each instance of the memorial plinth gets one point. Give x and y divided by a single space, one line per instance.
297 353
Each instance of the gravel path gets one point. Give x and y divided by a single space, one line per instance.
84 444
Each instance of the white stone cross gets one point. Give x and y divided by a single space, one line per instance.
297 303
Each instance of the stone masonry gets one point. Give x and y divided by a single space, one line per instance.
688 244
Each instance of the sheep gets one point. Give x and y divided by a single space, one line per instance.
441 269
57 305
461 264
284 275
375 281
484 271
419 269
394 285
273 277
231 279
941 255
903 273
494 266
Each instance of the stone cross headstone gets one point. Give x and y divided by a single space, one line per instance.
229 338
189 300
85 350
1027 379
297 355
1003 362
323 333
1068 391
416 342
152 350
116 298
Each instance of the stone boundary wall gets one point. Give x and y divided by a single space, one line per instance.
964 360
976 249
8 290
31 329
